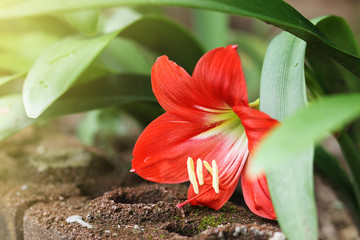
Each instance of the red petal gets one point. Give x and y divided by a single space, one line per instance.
210 198
256 123
232 158
161 151
257 196
173 87
256 193
220 77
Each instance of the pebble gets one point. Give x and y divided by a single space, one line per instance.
243 229
78 219
107 231
221 235
237 231
278 236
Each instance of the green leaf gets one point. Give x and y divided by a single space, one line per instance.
276 12
211 28
305 127
103 92
282 92
125 56
58 68
86 22
6 79
12 115
164 36
332 77
20 50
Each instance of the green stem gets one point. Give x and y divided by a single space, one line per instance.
353 161
211 28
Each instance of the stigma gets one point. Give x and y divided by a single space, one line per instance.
213 170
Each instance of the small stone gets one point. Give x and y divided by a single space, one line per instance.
136 226
107 231
278 236
221 235
237 231
243 229
24 187
40 149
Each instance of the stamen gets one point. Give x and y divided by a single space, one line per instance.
208 167
191 172
199 172
215 180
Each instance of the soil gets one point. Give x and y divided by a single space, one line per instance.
144 212
47 176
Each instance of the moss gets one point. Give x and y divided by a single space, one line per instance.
228 207
211 221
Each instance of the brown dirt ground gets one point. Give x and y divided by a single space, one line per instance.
120 205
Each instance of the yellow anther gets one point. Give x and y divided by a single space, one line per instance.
199 172
208 167
215 175
191 172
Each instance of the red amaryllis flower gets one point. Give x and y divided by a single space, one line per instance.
207 118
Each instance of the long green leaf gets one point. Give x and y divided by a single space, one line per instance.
6 79
211 28
276 12
103 92
305 127
332 77
57 70
86 22
282 92
12 115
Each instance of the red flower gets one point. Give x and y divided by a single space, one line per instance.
208 118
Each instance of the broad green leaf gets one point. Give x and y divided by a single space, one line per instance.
126 56
6 79
282 92
104 92
20 50
276 12
303 128
252 49
58 68
86 22
332 77
164 36
211 28
12 115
